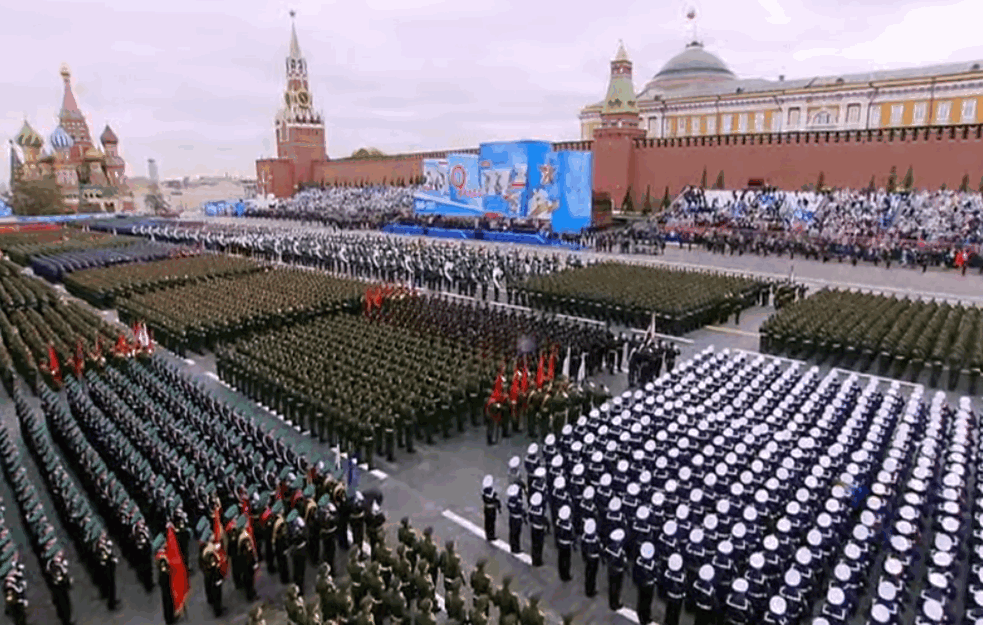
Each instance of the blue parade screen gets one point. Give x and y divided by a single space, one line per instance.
514 179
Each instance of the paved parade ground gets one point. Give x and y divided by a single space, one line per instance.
440 485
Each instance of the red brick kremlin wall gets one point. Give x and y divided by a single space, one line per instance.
938 156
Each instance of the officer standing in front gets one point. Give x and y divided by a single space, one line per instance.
674 588
492 506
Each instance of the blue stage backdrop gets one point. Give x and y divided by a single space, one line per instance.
514 179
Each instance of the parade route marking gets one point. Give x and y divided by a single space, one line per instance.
218 379
379 475
480 533
733 331
629 614
189 361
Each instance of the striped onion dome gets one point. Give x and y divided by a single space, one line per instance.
60 139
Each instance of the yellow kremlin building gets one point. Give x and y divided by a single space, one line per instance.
695 94
84 171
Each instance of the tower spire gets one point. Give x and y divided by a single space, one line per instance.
68 102
620 99
294 44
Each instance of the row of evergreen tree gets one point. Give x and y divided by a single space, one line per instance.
906 185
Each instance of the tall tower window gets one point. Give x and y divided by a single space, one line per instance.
897 111
793 118
712 125
942 112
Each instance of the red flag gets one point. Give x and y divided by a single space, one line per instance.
516 383
223 560
497 393
525 375
122 347
53 362
540 373
179 574
552 368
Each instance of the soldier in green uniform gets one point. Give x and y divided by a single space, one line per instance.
428 553
424 588
479 611
481 582
393 600
424 615
454 604
355 571
407 538
532 614
505 599
324 587
450 565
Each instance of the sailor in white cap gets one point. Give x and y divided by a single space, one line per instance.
564 541
705 596
644 576
673 588
614 555
532 461
492 506
515 472
590 546
537 523
738 605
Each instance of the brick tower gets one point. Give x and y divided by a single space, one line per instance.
300 135
614 146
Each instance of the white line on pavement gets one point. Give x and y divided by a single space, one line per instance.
189 361
480 533
378 474
732 331
629 614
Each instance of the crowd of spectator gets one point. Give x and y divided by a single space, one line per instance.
921 229
350 208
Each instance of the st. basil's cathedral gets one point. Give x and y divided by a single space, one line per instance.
83 171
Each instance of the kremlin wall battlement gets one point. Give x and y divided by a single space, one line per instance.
938 156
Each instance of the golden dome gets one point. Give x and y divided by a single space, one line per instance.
28 137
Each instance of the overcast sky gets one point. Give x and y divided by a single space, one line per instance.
195 84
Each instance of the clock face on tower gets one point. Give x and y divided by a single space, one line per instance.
303 98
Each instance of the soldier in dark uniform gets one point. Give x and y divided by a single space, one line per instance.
213 576
356 519
705 596
673 588
517 516
297 535
538 525
496 422
492 506
590 547
107 569
248 562
164 579
564 542
615 556
644 574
